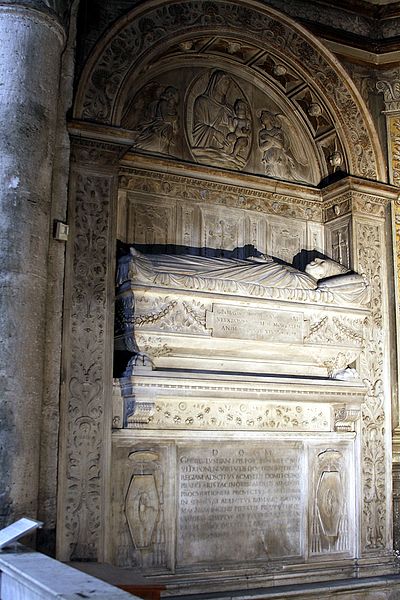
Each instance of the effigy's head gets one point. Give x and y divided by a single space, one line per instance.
319 268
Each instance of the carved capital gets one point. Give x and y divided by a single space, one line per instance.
346 418
390 88
55 13
94 153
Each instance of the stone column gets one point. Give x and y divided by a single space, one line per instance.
31 41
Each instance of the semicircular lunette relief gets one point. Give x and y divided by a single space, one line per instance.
248 34
223 120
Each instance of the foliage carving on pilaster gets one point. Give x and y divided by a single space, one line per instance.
372 410
396 505
394 147
86 383
396 209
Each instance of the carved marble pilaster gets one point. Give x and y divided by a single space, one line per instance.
396 432
396 505
393 130
396 224
366 211
391 94
87 405
370 259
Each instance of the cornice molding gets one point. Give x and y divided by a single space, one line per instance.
373 9
364 57
374 46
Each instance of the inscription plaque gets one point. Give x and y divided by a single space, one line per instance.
240 503
228 321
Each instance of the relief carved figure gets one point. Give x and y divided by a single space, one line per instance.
283 154
238 139
261 271
221 130
153 117
331 275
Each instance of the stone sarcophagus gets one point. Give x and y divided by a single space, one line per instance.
254 315
237 420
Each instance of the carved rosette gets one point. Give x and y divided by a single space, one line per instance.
370 257
88 374
238 415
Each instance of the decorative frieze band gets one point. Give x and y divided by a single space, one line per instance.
308 206
224 194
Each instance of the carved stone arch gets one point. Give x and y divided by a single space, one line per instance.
134 42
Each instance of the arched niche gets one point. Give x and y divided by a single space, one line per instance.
266 56
279 64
